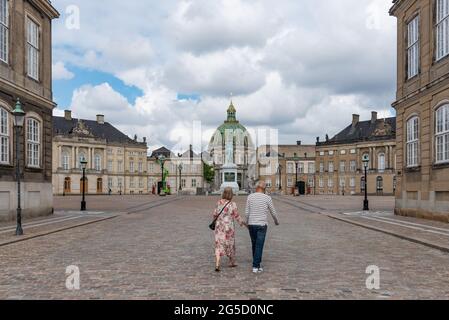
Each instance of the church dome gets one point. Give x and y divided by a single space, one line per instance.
230 125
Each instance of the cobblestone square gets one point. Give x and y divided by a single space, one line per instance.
161 248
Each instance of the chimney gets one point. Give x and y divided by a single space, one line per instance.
317 139
299 142
68 115
100 119
355 120
144 139
373 117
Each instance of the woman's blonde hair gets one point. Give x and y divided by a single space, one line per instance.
228 194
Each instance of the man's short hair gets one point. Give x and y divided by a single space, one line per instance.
261 185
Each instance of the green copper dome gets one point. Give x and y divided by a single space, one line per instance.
230 124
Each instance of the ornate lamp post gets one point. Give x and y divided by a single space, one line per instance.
162 160
296 159
19 119
83 164
180 167
280 176
365 161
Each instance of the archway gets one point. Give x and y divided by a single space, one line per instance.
67 185
99 185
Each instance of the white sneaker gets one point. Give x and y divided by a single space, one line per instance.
260 270
255 270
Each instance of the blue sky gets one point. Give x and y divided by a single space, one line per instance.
63 89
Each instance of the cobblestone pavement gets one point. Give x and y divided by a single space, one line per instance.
166 252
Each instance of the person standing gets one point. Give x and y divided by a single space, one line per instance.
258 206
225 213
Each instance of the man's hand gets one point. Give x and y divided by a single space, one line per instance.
276 222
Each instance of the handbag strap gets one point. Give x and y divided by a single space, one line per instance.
222 210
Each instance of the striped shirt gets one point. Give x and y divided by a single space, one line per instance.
258 206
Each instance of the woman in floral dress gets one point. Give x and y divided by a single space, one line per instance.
224 230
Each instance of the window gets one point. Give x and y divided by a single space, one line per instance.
353 166
32 49
321 167
131 167
81 157
352 182
343 152
110 166
311 168
193 183
342 182
97 162
321 183
67 185
289 182
413 48
132 183
381 162
442 28
110 183
33 143
290 168
4 30
442 134
330 183
4 136
65 161
342 166
120 166
353 151
331 167
141 184
311 182
331 153
140 167
301 167
183 183
412 142
380 184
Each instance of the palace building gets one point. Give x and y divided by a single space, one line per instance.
26 74
116 164
184 172
422 107
285 168
339 166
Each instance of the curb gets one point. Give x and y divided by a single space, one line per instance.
426 243
43 234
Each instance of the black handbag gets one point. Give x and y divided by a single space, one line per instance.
214 223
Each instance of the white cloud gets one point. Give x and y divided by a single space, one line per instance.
60 72
300 66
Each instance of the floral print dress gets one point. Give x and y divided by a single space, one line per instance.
225 230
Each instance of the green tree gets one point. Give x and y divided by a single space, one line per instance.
209 172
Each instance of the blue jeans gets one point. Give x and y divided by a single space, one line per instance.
257 234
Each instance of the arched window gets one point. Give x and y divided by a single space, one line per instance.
381 162
412 142
97 162
442 134
4 136
99 185
33 136
67 185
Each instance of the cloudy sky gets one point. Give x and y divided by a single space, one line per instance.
154 67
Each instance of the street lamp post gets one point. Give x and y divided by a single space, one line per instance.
83 164
162 160
280 177
296 159
365 165
19 119
180 167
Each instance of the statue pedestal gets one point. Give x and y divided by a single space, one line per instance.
229 178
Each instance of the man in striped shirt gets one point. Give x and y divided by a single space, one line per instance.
258 206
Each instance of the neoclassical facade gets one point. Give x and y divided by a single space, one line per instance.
184 172
422 106
286 167
26 74
115 162
339 166
232 152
